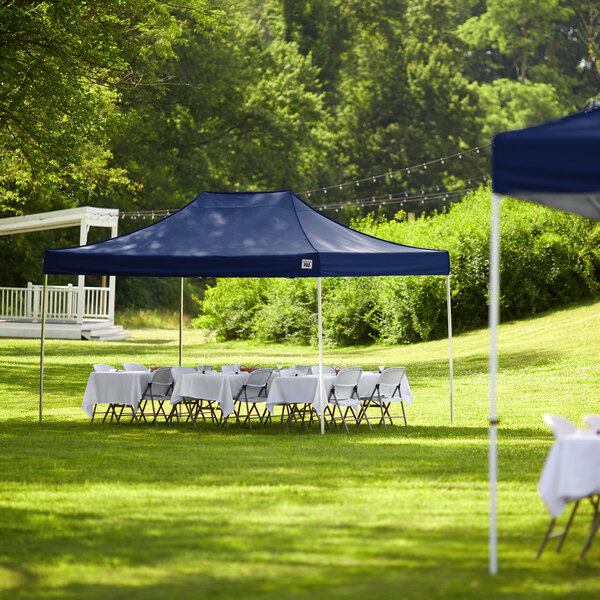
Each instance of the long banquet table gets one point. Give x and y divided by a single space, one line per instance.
115 387
219 387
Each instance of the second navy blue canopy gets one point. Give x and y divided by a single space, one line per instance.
263 234
557 163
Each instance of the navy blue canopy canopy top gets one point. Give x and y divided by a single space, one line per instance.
263 234
557 163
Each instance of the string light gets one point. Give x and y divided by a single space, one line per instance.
390 173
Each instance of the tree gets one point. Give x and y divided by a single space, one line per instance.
63 69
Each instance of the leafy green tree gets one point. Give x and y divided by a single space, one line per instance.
63 69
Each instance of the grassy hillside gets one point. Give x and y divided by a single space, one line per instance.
125 511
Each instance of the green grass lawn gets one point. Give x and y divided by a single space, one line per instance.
125 511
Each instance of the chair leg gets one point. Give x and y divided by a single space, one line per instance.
567 527
594 527
403 414
546 538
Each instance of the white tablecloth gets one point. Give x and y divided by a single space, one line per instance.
120 387
298 390
571 471
369 379
221 387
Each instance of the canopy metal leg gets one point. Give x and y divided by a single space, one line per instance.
449 311
494 317
42 337
321 387
180 321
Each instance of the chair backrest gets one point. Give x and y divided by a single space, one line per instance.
291 372
230 368
304 369
162 380
134 367
348 376
259 377
390 379
177 372
327 370
204 368
560 426
593 422
102 368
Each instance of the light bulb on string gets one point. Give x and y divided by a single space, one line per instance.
357 183
341 186
324 190
477 150
391 175
442 161
374 179
460 156
424 165
389 196
408 171
308 193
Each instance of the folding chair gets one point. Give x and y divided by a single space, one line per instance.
189 403
386 391
102 368
230 368
134 367
253 392
304 369
593 422
158 390
204 368
344 395
561 428
327 370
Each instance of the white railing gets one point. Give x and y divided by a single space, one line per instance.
26 303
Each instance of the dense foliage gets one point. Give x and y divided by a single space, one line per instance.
144 104
548 258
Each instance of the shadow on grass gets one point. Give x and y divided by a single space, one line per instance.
193 555
72 452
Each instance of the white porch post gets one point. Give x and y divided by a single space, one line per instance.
83 232
321 387
494 318
112 282
449 311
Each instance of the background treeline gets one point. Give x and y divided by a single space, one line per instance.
548 258
143 104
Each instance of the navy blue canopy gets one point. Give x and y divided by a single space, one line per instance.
263 234
557 163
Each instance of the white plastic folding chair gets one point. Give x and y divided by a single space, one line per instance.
386 391
344 395
230 368
304 369
159 390
131 366
562 428
253 392
593 422
102 368
190 404
327 370
204 368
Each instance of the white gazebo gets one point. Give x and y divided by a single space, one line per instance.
73 311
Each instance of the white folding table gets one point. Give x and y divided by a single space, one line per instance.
115 387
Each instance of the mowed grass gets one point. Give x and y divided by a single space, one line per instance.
125 511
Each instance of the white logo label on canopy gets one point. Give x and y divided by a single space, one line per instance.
306 263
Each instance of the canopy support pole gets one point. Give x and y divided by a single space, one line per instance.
321 386
42 336
449 311
181 321
494 318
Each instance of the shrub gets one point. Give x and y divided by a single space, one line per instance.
548 258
